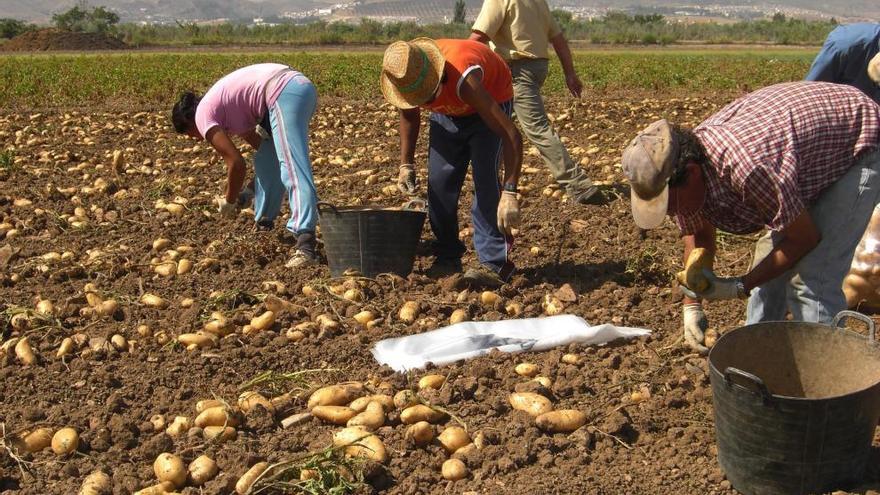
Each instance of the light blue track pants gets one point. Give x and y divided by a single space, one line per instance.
282 162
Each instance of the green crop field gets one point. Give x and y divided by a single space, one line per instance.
149 79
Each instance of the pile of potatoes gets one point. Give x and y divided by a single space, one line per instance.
540 407
63 442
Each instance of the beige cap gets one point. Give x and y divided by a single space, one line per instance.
411 72
648 162
874 69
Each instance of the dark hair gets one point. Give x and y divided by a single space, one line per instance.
183 115
690 149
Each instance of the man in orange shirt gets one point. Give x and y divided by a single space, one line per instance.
468 89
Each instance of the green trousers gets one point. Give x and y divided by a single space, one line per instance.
528 78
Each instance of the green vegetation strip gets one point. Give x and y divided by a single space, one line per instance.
155 79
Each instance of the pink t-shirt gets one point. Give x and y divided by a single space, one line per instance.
238 101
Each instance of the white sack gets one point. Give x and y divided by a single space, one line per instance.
475 338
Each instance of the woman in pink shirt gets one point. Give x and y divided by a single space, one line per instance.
270 106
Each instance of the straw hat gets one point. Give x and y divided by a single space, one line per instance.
411 72
874 69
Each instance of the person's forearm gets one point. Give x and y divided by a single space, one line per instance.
478 36
703 238
512 156
235 174
783 256
409 134
560 45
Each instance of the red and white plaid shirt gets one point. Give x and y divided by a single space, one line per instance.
773 151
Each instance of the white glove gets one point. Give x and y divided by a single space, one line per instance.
508 212
695 325
225 208
719 288
407 181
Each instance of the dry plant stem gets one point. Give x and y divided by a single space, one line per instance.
273 377
23 465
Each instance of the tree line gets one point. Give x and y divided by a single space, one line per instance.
612 28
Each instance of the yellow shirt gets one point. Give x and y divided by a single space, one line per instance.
518 28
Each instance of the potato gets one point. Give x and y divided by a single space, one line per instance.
202 470
218 325
353 295
409 312
45 307
489 299
335 395
153 301
36 440
543 380
337 415
463 452
184 266
249 400
244 484
561 421
97 483
453 438
24 353
570 359
119 342
371 419
421 412
207 404
169 467
453 470
263 321
529 370
692 276
163 488
360 405
361 443
106 308
365 318
532 403
420 433
158 422
514 309
166 268
552 305
458 316
65 441
65 348
406 398
178 427
432 381
219 434
198 339
640 395
710 337
216 416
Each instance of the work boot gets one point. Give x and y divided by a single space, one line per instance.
306 253
482 277
444 267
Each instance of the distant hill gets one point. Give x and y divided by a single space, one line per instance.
425 10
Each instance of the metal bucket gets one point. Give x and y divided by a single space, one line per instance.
796 405
371 240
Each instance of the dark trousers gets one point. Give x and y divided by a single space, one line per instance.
453 143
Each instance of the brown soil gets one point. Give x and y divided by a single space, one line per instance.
56 39
661 445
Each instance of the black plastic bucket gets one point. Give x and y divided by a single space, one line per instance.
796 405
371 240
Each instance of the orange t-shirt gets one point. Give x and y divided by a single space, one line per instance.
462 57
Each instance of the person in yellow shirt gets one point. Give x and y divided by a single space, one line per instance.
522 31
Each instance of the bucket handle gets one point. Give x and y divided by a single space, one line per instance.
328 206
843 315
415 204
757 385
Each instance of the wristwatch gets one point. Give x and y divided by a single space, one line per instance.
509 187
741 292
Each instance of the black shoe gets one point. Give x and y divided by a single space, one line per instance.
444 267
591 196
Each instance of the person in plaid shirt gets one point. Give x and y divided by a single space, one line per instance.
800 159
